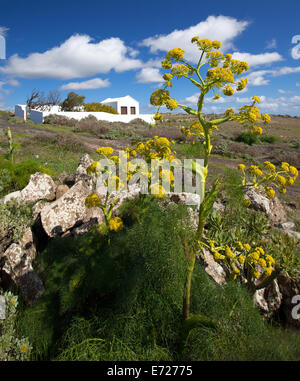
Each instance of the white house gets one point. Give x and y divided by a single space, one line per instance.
123 105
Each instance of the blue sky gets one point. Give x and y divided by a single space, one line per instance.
111 49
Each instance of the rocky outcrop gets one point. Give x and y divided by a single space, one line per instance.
273 208
40 187
268 299
289 289
61 190
67 211
212 268
18 269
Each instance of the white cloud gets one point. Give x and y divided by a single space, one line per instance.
149 75
298 84
272 44
257 59
95 83
3 30
256 78
281 91
77 57
221 28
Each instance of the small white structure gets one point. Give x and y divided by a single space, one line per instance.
127 108
20 111
124 105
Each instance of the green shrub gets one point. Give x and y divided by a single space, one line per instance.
11 346
124 302
137 311
247 138
268 139
14 218
16 175
98 107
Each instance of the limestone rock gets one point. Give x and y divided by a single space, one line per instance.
37 208
287 225
84 162
18 268
212 268
61 190
272 208
293 234
268 299
40 187
12 196
289 288
185 198
68 211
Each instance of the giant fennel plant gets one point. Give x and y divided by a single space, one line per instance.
225 75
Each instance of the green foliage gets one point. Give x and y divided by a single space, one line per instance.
11 346
16 175
247 138
137 311
268 139
14 218
98 107
72 102
242 335
125 302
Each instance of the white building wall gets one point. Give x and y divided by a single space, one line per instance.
20 111
38 116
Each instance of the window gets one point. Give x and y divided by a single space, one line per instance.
132 110
123 110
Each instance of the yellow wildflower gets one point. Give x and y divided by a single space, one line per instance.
115 224
175 54
256 99
105 150
92 200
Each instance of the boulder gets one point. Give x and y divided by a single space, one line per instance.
61 190
212 268
287 225
18 269
273 208
12 196
40 187
2 308
289 288
68 211
268 299
192 199
84 162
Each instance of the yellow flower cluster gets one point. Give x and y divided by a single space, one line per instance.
205 44
181 70
159 97
228 90
171 104
267 175
240 258
93 200
166 64
105 151
242 84
218 76
175 54
156 148
115 224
